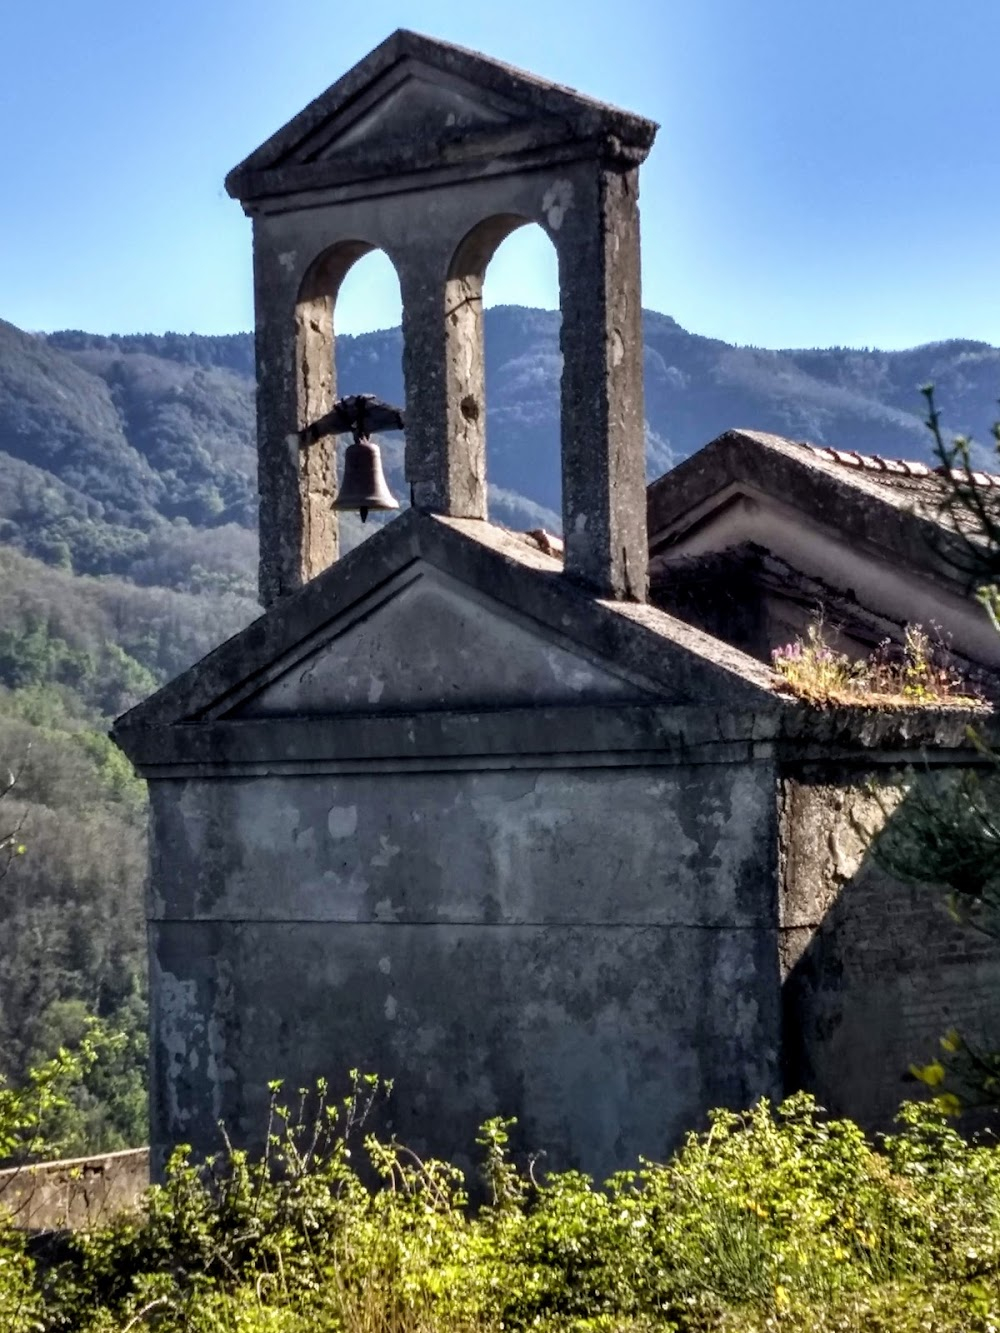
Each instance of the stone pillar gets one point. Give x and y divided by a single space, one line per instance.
445 441
280 467
296 385
603 427
465 377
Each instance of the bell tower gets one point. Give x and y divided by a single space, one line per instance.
435 154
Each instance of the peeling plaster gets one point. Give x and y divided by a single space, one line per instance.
556 202
342 820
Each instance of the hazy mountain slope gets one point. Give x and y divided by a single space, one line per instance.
57 416
966 376
194 426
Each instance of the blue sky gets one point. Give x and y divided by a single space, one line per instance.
824 173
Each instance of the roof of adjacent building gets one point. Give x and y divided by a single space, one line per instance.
893 505
900 473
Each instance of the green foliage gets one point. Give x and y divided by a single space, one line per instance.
777 1219
946 832
74 652
34 1116
73 942
106 1110
106 643
106 676
30 1118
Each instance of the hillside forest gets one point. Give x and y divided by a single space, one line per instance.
128 550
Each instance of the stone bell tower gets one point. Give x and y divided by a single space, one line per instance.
434 155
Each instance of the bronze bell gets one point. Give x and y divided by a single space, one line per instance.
364 486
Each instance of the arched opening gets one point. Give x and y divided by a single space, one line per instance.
508 266
348 341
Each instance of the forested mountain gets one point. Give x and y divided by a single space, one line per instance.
74 651
127 550
134 455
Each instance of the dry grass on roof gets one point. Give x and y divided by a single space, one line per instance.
915 674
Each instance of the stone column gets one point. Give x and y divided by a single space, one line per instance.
603 434
279 461
296 385
445 438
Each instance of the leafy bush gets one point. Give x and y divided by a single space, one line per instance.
775 1219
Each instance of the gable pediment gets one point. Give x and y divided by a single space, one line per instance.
411 104
414 96
426 642
439 613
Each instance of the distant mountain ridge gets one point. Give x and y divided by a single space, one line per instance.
135 454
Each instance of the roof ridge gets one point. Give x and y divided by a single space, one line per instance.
899 467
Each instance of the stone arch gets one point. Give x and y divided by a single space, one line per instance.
316 389
315 337
465 350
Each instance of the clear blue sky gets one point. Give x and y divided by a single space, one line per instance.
824 172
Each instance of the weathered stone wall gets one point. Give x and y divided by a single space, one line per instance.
77 1192
591 949
875 970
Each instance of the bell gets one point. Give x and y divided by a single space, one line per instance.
364 487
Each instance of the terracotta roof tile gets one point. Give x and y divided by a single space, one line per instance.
894 471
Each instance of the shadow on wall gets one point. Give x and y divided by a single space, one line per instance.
875 971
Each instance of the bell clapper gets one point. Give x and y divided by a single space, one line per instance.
363 513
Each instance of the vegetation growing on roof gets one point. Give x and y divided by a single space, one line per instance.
915 674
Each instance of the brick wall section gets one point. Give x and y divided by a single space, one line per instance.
76 1193
874 970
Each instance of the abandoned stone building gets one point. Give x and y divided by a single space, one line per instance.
477 817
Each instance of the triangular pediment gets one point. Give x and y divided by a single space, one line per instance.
414 94
426 642
411 103
441 613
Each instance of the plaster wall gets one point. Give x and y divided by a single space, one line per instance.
592 950
875 971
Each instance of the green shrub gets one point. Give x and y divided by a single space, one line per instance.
776 1219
